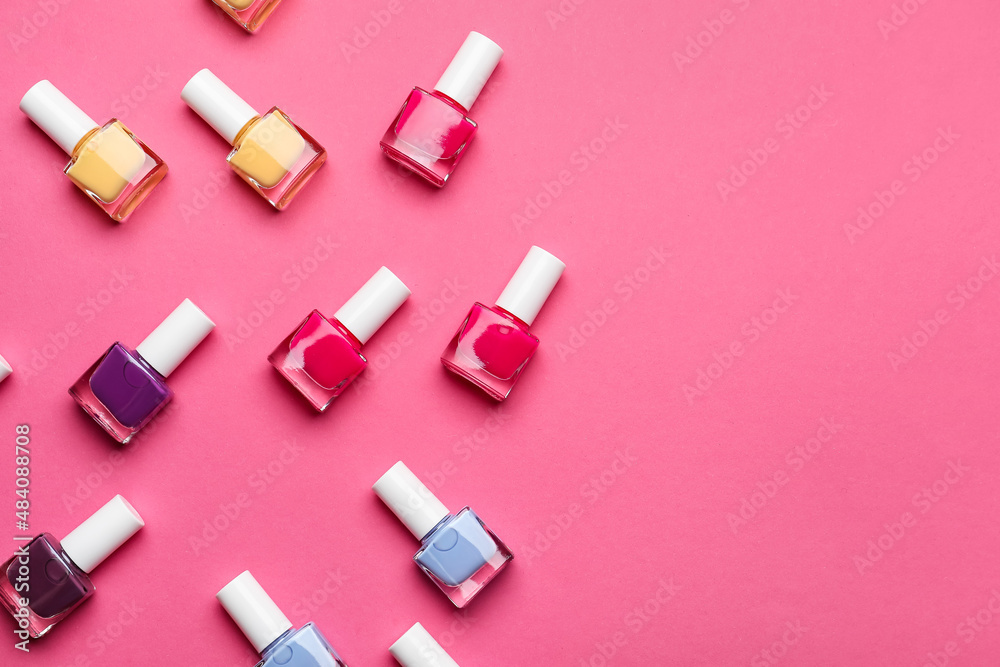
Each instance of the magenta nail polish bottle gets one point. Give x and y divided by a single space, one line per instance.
494 344
45 580
125 388
323 356
432 130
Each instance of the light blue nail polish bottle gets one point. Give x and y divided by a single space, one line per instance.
459 553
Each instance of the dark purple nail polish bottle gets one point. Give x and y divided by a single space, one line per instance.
45 580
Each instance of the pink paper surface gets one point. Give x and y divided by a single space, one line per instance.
776 445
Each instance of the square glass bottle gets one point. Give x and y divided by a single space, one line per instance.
270 152
494 344
321 357
249 14
126 388
109 163
45 580
270 631
432 130
458 552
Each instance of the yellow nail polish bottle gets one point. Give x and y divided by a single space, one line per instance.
109 163
250 14
270 152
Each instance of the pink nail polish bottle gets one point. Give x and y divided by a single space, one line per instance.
432 130
493 345
323 356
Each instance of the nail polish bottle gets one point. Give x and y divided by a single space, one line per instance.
125 388
459 553
270 631
45 580
416 648
109 163
432 130
5 369
270 152
321 357
493 345
250 14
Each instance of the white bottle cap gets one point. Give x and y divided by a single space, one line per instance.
56 114
214 101
107 529
470 69
416 648
5 369
253 610
410 500
373 304
531 285
173 340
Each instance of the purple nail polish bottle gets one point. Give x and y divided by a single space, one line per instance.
125 388
45 580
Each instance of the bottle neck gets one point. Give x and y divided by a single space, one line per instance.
439 94
512 316
238 139
440 524
278 641
84 140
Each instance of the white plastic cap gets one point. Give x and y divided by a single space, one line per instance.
5 369
373 304
531 285
253 610
410 500
56 114
216 102
416 648
107 529
470 69
173 340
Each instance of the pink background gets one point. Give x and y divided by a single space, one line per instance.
799 578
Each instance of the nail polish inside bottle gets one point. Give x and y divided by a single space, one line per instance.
126 388
432 130
459 552
270 631
270 152
321 357
45 580
417 648
494 344
249 14
109 163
